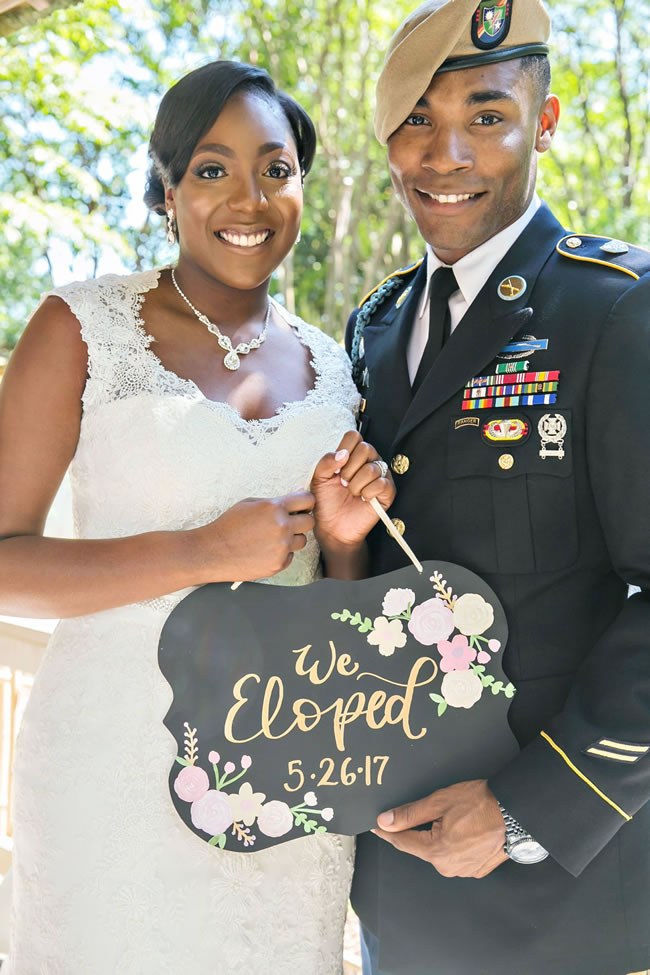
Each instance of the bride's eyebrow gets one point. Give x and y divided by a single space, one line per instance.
222 150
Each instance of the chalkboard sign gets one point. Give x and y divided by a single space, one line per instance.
307 709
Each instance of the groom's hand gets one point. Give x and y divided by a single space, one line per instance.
467 831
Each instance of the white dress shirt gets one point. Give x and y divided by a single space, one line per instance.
471 271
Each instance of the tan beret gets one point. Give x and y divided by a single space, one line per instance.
448 35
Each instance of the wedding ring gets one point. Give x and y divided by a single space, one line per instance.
383 467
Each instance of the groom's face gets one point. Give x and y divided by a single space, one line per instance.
464 161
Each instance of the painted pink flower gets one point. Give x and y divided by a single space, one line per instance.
456 655
275 818
229 767
494 645
246 761
212 813
214 757
191 783
483 657
431 622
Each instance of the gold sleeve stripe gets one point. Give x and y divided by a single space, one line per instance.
615 755
642 749
610 802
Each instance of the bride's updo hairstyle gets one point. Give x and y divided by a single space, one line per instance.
190 108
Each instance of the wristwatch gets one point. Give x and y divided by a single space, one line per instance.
519 844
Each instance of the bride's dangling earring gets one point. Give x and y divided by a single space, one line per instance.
171 227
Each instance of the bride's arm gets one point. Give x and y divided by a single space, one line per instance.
40 417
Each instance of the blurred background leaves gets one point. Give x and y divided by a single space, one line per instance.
79 89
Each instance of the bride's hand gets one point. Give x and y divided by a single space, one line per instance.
341 482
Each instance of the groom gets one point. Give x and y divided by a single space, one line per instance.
505 377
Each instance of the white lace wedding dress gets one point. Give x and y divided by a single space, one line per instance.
107 879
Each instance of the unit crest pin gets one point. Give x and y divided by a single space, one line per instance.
552 430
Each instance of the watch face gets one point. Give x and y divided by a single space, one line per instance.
527 851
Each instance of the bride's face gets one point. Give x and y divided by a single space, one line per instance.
238 206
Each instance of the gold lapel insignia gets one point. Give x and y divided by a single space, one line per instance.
573 242
512 287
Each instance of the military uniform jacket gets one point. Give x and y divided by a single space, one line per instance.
550 503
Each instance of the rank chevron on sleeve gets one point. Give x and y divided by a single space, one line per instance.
514 379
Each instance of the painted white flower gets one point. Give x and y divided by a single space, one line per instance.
461 688
328 814
472 615
246 805
397 601
275 818
310 799
387 635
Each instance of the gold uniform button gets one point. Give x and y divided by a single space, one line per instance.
399 524
506 462
400 464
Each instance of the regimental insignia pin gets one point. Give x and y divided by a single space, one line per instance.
527 345
491 23
552 430
365 379
402 298
573 242
512 287
615 247
514 429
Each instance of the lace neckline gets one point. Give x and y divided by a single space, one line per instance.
149 281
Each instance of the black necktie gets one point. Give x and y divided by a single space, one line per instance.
443 284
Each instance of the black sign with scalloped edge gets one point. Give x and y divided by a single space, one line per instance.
309 709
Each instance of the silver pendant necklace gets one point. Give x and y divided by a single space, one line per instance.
231 359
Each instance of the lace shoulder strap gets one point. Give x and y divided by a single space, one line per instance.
108 312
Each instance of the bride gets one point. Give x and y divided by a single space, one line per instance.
191 410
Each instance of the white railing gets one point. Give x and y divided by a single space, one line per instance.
21 649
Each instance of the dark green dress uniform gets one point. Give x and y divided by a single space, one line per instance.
550 503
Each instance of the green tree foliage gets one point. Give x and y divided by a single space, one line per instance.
79 90
598 175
